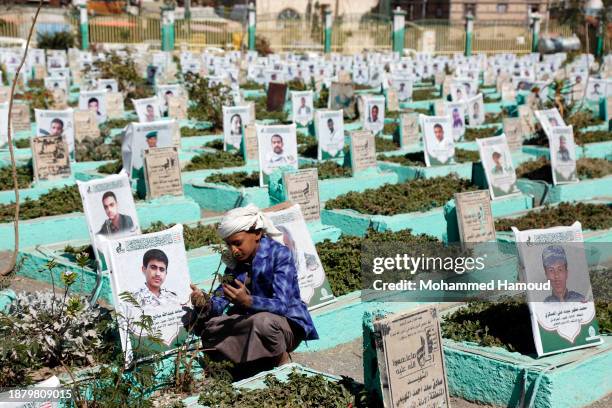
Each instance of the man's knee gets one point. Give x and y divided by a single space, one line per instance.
265 322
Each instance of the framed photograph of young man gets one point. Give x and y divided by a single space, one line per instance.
94 101
329 128
148 109
235 118
150 275
438 140
56 123
374 118
563 155
497 162
109 210
561 303
302 107
277 146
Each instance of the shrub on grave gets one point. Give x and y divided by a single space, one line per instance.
214 161
411 196
206 101
56 201
418 158
25 176
540 169
591 216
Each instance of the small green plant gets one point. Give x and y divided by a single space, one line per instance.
472 134
21 143
215 161
261 112
195 237
215 144
239 179
321 101
329 169
187 131
591 216
390 128
411 196
114 124
251 85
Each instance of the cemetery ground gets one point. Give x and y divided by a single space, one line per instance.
419 174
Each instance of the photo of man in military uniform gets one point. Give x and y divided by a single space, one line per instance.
116 222
155 270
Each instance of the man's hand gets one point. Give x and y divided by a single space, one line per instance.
238 295
198 297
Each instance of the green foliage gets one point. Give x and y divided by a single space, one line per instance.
500 324
55 202
59 40
299 390
418 158
411 196
24 177
297 85
488 98
97 150
329 169
45 330
261 111
114 124
385 145
113 167
215 161
129 81
539 169
21 143
215 144
195 237
206 101
505 323
251 85
591 216
74 253
187 131
239 179
341 260
37 97
592 136
582 119
390 128
425 94
321 101
491 118
472 134
309 149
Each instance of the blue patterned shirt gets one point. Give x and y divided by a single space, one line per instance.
273 286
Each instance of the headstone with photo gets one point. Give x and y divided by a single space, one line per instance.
437 140
563 155
277 149
50 158
162 170
561 304
411 359
392 100
315 289
527 119
329 129
497 162
302 107
177 107
373 118
54 123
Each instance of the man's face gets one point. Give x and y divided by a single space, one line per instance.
236 124
243 245
330 125
303 102
497 159
439 133
556 273
150 112
562 143
152 142
374 113
93 106
56 129
110 208
277 145
155 274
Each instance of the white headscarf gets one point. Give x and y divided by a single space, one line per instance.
246 218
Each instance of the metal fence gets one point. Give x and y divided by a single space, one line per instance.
350 33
